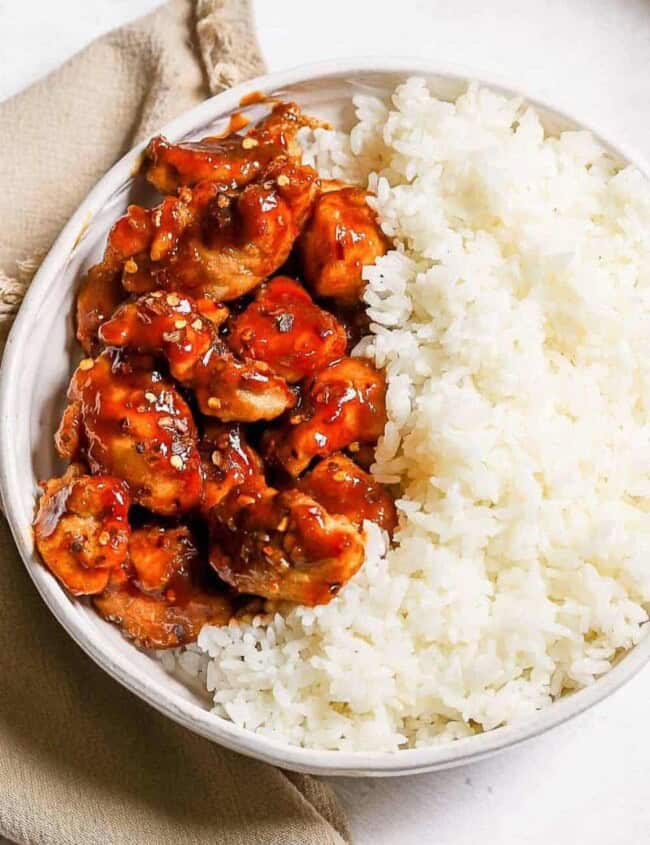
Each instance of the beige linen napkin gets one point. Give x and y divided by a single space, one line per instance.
81 759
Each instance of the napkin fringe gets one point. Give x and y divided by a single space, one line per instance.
228 43
14 288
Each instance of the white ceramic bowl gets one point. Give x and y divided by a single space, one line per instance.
40 356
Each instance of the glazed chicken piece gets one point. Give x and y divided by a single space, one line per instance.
162 323
144 239
230 244
152 231
132 423
165 603
168 621
99 295
284 328
285 546
82 529
239 391
241 241
232 161
159 554
344 405
343 488
225 387
205 243
230 466
340 238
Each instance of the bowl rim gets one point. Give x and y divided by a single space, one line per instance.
181 710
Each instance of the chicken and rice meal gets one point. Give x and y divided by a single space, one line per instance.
361 437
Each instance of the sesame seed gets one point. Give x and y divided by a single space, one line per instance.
172 299
176 461
216 458
339 476
249 143
150 397
157 294
130 266
157 218
86 364
180 324
197 325
223 201
354 447
283 524
104 538
213 402
283 180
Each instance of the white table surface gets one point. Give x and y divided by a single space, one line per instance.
588 781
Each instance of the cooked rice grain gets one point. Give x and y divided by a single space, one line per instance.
513 318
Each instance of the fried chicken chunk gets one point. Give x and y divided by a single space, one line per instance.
344 404
229 244
160 553
82 529
203 243
225 387
284 328
165 324
167 621
231 161
99 295
132 423
343 488
153 231
230 466
241 241
239 391
341 236
285 546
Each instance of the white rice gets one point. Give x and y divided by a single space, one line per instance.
513 319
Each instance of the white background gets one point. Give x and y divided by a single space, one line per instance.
588 781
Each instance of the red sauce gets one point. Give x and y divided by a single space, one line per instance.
236 122
252 98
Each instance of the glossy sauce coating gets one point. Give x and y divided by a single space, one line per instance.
241 391
163 323
82 529
135 425
163 622
340 238
230 466
232 161
285 328
228 244
343 488
286 547
159 554
242 240
343 405
225 386
99 295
